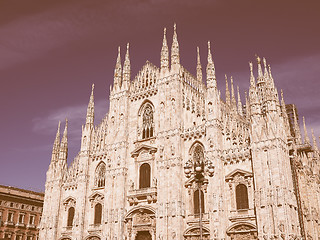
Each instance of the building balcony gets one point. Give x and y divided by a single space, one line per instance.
31 226
137 196
8 224
95 228
242 215
20 225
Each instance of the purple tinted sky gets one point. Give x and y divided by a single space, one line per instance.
52 51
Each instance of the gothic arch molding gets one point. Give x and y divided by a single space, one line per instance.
138 208
96 197
69 202
65 238
143 105
242 230
194 231
194 145
93 237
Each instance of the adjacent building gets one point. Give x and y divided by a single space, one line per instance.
20 213
128 180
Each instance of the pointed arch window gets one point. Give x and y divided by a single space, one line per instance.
145 175
196 202
242 197
71 211
100 175
97 213
147 122
198 155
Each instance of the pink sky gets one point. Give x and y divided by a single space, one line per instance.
52 51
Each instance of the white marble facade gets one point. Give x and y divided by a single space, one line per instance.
128 181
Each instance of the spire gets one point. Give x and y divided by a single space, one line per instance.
126 67
199 68
260 75
56 144
247 105
64 139
239 102
315 145
296 127
64 144
266 74
90 109
270 77
306 137
252 80
57 139
233 98
211 74
175 58
117 71
164 59
227 91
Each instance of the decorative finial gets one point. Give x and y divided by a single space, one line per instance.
164 31
174 27
209 46
258 59
92 88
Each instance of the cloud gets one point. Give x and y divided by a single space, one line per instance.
76 116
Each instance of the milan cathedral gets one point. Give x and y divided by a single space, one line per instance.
131 179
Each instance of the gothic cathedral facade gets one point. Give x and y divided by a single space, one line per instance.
129 181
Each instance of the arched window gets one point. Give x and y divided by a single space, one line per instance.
97 213
145 175
198 155
196 202
242 197
147 122
100 175
70 217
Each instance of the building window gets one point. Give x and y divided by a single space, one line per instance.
31 219
10 217
70 217
18 237
242 197
100 175
22 206
21 218
97 213
196 202
147 122
7 235
11 204
145 175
